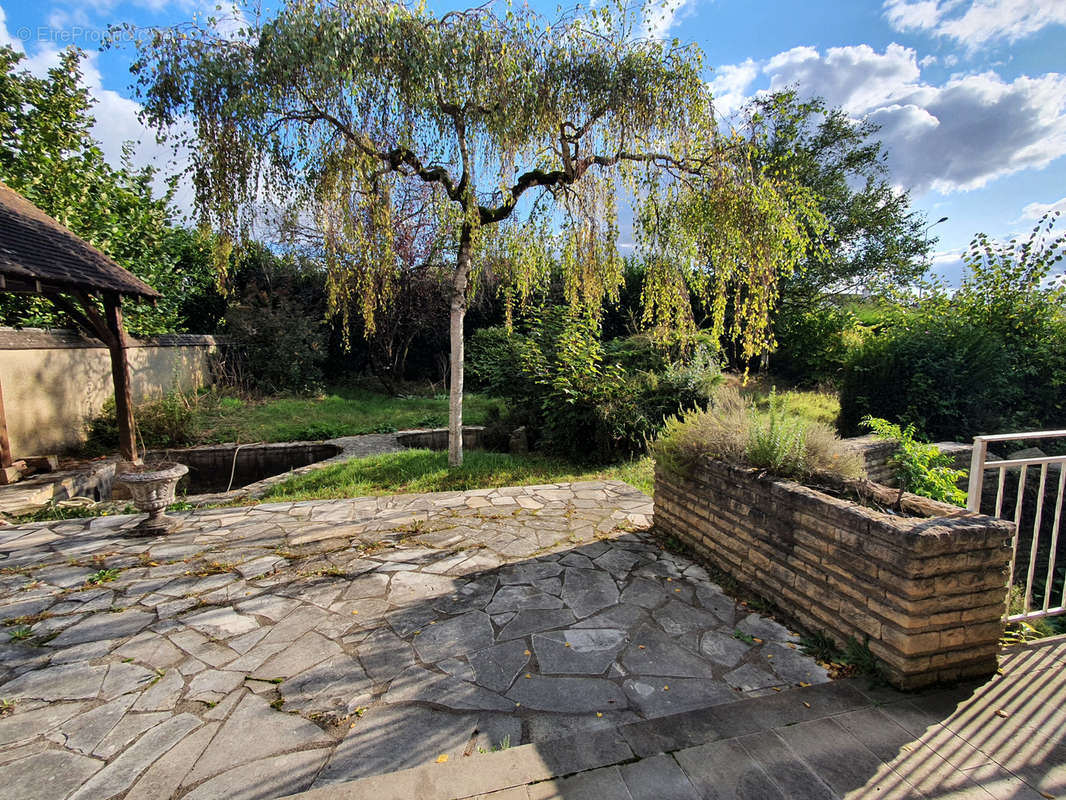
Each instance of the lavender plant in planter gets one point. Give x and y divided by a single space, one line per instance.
152 487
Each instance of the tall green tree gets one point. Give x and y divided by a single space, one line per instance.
49 155
873 235
523 128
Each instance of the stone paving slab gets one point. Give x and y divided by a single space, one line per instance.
848 739
273 648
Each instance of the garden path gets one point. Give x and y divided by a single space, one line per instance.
263 650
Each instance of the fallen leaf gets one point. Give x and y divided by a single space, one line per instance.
528 675
528 653
599 713
1001 713
442 758
776 688
567 644
806 704
354 611
666 688
804 684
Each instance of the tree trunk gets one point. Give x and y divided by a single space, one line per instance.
455 330
120 374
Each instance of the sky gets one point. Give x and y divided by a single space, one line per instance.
970 94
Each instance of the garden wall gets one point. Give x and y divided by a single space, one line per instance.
54 380
928 594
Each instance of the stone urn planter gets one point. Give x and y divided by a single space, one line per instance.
152 487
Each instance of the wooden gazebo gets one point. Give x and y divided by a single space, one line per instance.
40 256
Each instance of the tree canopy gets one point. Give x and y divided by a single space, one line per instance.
873 235
48 154
524 129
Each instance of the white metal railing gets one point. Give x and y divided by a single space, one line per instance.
978 466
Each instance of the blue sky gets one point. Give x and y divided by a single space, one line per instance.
971 94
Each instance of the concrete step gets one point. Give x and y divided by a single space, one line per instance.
592 751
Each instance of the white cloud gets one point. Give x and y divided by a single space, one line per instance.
978 22
857 78
1035 211
730 84
116 117
660 16
957 136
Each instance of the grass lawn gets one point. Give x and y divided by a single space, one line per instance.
342 411
808 404
412 471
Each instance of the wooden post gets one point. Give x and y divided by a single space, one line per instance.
120 374
5 443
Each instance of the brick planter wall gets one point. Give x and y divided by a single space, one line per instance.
929 593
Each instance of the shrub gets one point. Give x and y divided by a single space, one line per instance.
279 347
987 358
572 398
731 430
920 468
813 345
160 423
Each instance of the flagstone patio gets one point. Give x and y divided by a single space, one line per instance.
264 650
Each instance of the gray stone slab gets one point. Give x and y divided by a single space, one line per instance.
662 696
273 607
497 667
211 685
269 777
676 618
24 725
626 617
385 655
336 686
792 666
593 785
163 778
83 733
45 776
787 771
65 682
105 626
716 601
417 684
567 694
125 731
723 648
253 731
457 636
529 571
656 778
163 695
587 591
152 650
541 619
389 738
766 629
750 678
307 651
120 774
645 592
370 585
221 623
470 595
652 652
418 587
578 651
124 678
726 771
521 597
835 756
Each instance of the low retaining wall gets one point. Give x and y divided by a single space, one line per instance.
927 594
437 438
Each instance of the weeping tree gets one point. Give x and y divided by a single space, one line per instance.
524 130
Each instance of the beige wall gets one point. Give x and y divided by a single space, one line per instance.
53 381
